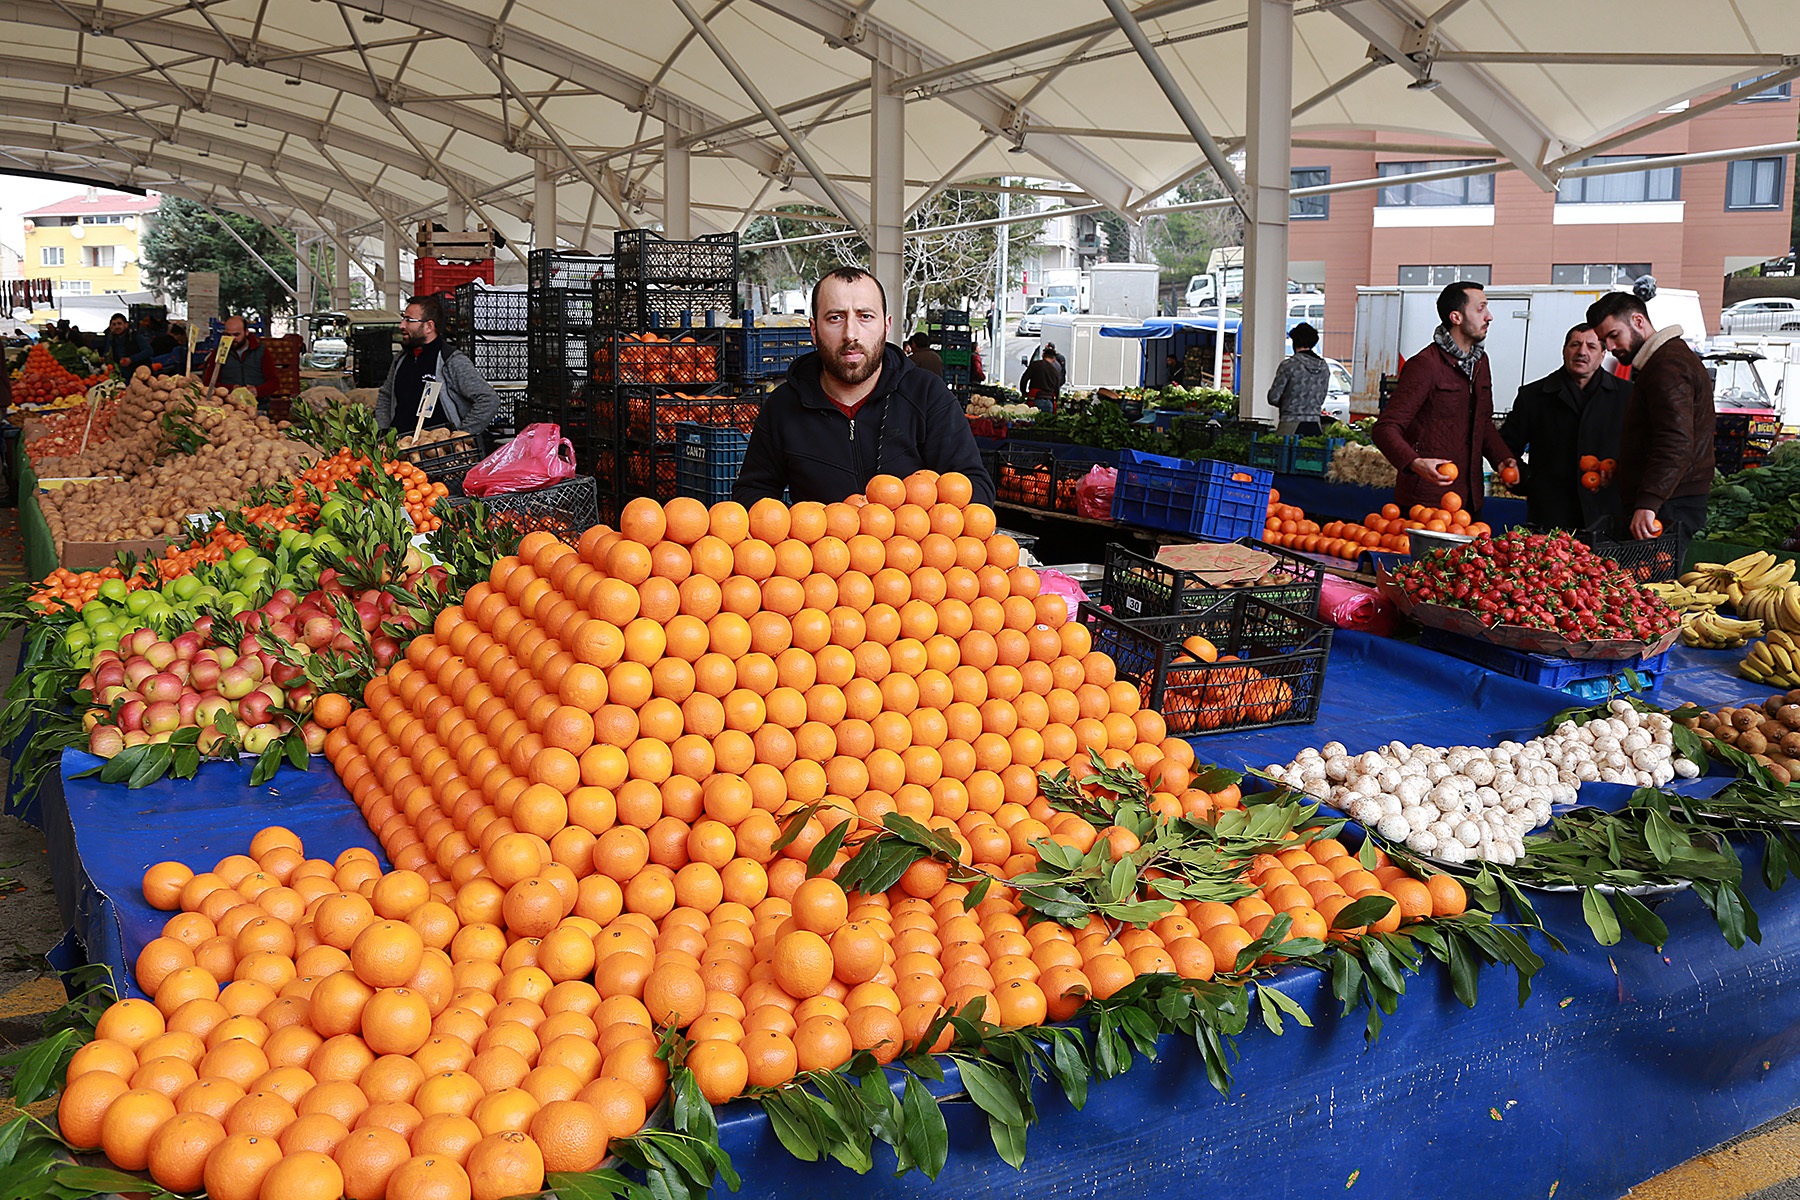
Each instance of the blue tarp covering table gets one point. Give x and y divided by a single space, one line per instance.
1625 1061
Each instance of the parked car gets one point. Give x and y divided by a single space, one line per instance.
1764 314
1032 323
1337 392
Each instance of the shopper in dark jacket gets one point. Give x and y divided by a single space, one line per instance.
1442 411
855 408
918 349
1666 445
242 365
1302 382
124 345
1571 413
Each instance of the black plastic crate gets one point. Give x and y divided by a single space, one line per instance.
567 509
1026 477
1069 474
682 358
949 318
499 359
566 270
561 312
766 352
1274 675
652 414
372 349
551 383
648 469
644 256
575 419
481 309
708 460
1136 586
427 454
645 305
1656 560
557 350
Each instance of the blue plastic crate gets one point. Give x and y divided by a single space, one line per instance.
1312 460
1157 492
1583 678
707 460
1234 502
760 353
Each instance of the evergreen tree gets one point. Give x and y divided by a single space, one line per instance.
183 237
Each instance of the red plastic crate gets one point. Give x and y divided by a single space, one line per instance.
433 275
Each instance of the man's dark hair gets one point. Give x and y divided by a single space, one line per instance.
430 309
1455 298
849 275
1304 336
919 341
1050 351
1584 327
117 317
1615 304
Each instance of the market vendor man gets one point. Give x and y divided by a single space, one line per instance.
468 402
1439 423
1556 422
855 408
125 345
242 365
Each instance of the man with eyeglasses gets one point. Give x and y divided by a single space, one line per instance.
468 402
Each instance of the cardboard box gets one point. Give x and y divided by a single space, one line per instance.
92 556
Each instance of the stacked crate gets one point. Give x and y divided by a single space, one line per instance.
559 338
950 337
372 350
659 357
490 324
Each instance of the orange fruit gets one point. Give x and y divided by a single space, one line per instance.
131 1120
368 1160
238 1166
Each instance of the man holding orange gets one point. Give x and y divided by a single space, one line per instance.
1566 427
1440 421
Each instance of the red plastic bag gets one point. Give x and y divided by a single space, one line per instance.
1094 494
537 458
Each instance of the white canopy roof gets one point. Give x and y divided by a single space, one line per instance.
366 114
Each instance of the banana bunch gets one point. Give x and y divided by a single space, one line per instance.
1776 606
1685 598
1709 631
1775 661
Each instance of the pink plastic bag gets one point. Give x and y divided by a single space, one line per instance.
537 458
1094 494
1351 606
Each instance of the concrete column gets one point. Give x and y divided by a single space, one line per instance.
1269 150
456 214
393 288
543 206
340 284
303 278
887 191
678 214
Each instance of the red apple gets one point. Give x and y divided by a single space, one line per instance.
253 709
313 734
136 671
188 644
236 683
106 741
205 673
189 704
284 673
139 640
210 741
131 715
257 738
163 716
162 687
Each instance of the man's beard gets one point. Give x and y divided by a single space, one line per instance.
844 372
412 339
1630 352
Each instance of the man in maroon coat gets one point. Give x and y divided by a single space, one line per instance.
1439 422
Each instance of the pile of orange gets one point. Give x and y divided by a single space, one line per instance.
579 776
1287 526
75 588
1596 473
327 473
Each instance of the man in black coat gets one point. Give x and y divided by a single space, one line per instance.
1569 414
855 408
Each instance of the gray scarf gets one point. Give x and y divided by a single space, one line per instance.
1465 361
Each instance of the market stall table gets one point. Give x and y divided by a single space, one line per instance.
1701 1036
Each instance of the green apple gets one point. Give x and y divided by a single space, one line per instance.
94 612
107 631
187 587
114 590
77 639
241 559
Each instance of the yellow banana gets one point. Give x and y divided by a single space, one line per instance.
1748 563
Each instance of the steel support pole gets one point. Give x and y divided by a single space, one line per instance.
393 288
887 191
543 208
340 283
1270 125
678 186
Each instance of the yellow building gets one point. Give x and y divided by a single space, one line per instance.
90 244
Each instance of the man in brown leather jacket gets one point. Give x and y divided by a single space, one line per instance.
1439 423
1666 442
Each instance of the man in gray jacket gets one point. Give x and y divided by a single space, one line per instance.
468 401
1301 382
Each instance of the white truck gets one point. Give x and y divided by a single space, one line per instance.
1106 289
1094 361
1524 342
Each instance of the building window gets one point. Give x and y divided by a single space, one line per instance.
99 256
50 256
1597 274
1471 189
1444 276
1779 91
76 287
107 219
1753 183
1631 187
1309 208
